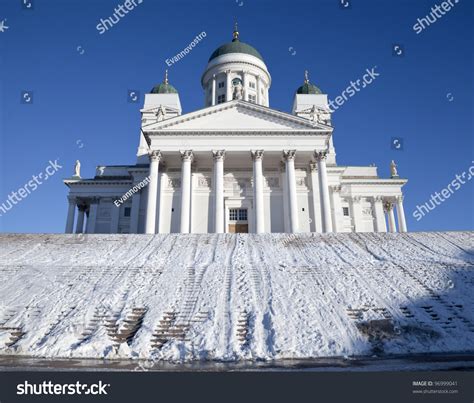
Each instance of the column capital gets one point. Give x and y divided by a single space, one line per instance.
335 188
218 155
377 199
388 206
320 155
313 167
82 207
356 199
72 199
399 198
213 76
289 155
154 155
257 154
94 200
187 155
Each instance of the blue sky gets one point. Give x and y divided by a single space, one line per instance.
80 78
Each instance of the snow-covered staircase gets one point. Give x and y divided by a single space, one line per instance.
231 297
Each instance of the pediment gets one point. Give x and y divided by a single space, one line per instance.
236 116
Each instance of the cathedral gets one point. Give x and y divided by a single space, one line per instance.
236 165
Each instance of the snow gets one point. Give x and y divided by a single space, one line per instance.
236 296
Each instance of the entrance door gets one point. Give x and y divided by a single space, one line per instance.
238 220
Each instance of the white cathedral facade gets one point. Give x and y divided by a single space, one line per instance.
236 165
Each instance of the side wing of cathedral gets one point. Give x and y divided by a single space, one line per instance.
236 165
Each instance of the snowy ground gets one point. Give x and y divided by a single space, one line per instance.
236 297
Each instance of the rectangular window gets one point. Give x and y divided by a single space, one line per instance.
345 211
127 211
251 84
220 99
252 98
221 84
233 214
238 214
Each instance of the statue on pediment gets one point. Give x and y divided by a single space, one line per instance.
393 170
77 169
161 114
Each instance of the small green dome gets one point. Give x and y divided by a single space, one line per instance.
307 87
236 47
165 87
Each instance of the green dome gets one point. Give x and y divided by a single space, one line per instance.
164 88
307 87
236 47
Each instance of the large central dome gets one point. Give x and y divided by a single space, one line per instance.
236 46
236 70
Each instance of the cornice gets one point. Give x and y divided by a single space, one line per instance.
377 181
237 133
238 62
89 182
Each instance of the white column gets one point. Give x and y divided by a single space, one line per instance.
284 190
218 184
315 194
71 211
259 91
115 217
379 216
257 157
150 221
135 213
80 219
213 100
336 208
246 85
289 157
357 213
94 205
267 103
402 224
228 87
163 216
388 206
187 158
324 191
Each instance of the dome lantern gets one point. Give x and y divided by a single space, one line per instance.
235 34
